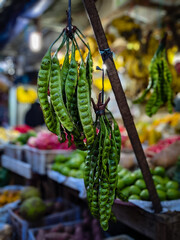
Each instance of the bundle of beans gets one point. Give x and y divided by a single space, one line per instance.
68 109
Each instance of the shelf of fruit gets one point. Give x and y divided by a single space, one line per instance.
68 170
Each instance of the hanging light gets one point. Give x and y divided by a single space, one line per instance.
35 41
35 38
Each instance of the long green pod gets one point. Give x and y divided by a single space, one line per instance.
89 70
56 94
84 107
71 80
42 90
65 70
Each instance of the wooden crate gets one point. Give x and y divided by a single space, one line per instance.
162 226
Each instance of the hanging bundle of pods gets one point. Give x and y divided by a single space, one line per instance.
67 111
159 87
100 174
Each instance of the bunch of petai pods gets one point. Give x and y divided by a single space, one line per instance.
67 112
159 85
100 174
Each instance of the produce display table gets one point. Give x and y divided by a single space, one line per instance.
163 226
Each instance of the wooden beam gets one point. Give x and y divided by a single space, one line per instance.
122 102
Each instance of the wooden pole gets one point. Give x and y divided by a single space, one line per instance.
122 102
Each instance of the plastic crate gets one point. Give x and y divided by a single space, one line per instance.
21 226
39 159
33 232
14 151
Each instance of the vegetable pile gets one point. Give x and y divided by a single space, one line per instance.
131 185
100 174
69 109
160 83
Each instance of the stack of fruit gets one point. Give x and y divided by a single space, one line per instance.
71 165
131 185
8 197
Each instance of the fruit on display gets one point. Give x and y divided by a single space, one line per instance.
29 192
71 165
86 229
69 109
46 140
8 196
162 144
131 185
159 87
26 94
7 135
23 138
32 209
23 128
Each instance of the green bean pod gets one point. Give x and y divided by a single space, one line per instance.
56 95
89 70
42 89
84 107
71 80
65 70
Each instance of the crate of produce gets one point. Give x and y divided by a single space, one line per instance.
66 212
39 159
88 228
21 168
9 199
14 151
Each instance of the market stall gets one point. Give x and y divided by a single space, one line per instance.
95 130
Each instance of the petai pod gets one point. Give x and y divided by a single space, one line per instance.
84 107
56 94
42 89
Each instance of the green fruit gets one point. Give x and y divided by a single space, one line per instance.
172 194
172 185
160 171
82 166
32 209
119 168
166 180
144 195
134 197
158 180
140 183
161 194
29 192
129 179
122 173
125 191
120 184
160 187
135 190
152 171
138 174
